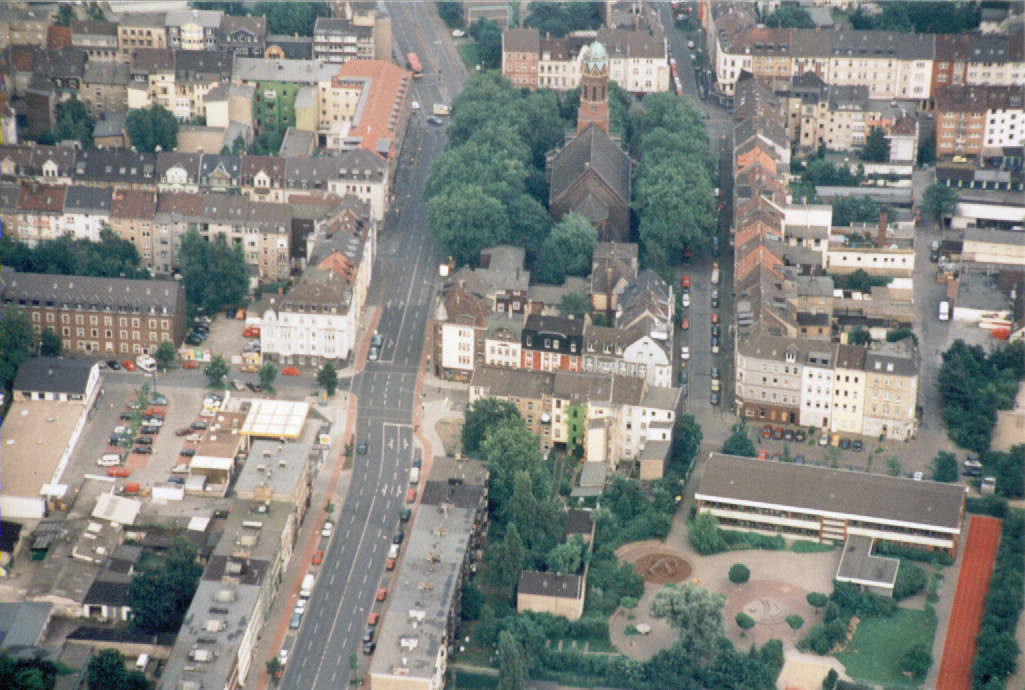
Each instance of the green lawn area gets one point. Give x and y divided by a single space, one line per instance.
875 652
468 51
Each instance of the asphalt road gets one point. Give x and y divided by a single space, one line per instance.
403 285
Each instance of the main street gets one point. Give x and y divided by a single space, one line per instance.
353 567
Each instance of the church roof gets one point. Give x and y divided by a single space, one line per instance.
591 149
597 56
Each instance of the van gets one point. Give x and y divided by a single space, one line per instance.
944 311
393 551
146 363
715 273
441 109
414 475
109 460
307 589
141 662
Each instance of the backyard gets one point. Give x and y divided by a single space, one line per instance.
874 653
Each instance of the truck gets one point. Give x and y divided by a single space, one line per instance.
414 475
307 588
441 109
944 311
715 273
146 363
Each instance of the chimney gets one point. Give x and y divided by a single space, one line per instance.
883 222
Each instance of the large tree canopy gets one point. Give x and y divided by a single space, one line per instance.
215 275
568 250
152 127
695 613
160 596
111 257
465 220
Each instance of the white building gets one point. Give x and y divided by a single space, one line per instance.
86 212
817 383
848 389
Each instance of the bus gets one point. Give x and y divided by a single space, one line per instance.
414 65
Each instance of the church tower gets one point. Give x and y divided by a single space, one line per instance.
594 89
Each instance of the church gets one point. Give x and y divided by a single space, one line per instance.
590 175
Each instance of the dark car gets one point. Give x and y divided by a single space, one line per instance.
788 435
146 440
934 256
715 299
798 459
142 450
399 536
369 647
715 372
187 452
715 330
433 120
362 448
150 430
115 439
800 436
368 635
126 416
405 514
856 446
114 364
176 480
193 339
418 460
845 443
714 399
683 376
199 426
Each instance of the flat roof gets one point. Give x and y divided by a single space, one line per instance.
33 438
858 565
276 418
834 492
280 466
223 437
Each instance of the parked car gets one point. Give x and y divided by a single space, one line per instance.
318 557
290 371
685 353
715 299
434 120
685 324
190 364
824 439
767 431
297 618
159 400
845 443
237 385
715 317
856 445
129 365
685 282
143 450
714 399
150 430
362 448
113 364
193 339
200 425
788 435
377 340
118 472
373 618
800 436
327 529
715 330
715 346
184 431
715 372
144 440
777 434
382 594
126 416
187 452
685 300
372 356
369 647
368 634
399 536
683 376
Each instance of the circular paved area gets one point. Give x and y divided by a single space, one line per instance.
661 567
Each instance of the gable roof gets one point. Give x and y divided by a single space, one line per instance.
592 149
53 375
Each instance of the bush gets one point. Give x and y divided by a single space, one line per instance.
628 602
739 574
910 581
998 650
910 553
829 682
992 505
805 546
795 622
744 621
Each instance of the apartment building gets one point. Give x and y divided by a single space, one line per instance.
637 59
359 172
189 29
86 211
132 213
115 168
263 178
978 60
242 36
24 25
817 385
891 390
277 82
460 326
770 378
552 343
136 31
97 39
613 266
529 391
848 390
178 172
105 87
627 352
40 208
972 118
102 316
151 78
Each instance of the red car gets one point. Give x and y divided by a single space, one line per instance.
128 364
290 371
778 433
763 455
372 620
190 364
318 557
382 594
411 496
686 282
715 317
118 472
685 324
389 564
184 431
767 431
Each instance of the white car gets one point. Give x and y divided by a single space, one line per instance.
686 300
109 460
206 412
283 657
194 438
458 33
300 607
328 527
685 353
414 105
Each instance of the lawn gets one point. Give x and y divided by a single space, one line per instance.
468 51
875 652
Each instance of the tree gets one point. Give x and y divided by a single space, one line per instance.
511 674
695 613
464 220
944 467
529 222
1011 473
451 13
273 666
894 467
848 210
739 573
817 600
327 378
744 621
996 659
676 206
215 275
859 336
291 18
15 342
510 560
911 580
568 250
486 629
481 417
877 147
790 17
686 442
266 143
72 123
916 661
159 596
829 682
568 556
151 127
268 372
704 536
898 334
795 622
165 354
49 343
859 281
575 304
739 443
489 42
216 370
927 151
939 201
559 18
136 680
106 670
111 257
27 673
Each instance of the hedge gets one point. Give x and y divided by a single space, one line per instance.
991 505
910 553
997 649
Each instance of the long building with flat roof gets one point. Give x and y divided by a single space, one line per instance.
823 504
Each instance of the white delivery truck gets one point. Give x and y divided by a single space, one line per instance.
414 475
146 363
307 588
944 310
441 109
